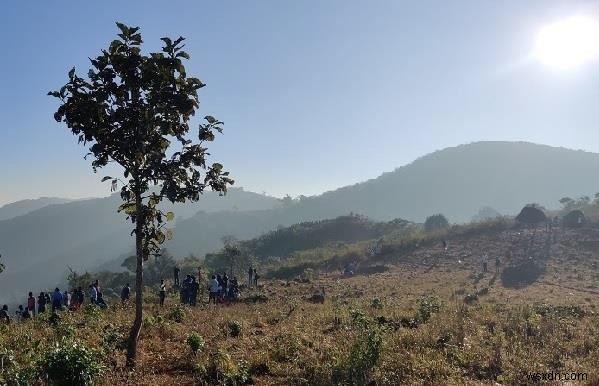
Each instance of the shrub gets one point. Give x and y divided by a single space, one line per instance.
356 369
221 369
376 303
111 339
195 342
436 222
91 312
177 314
471 298
70 363
426 307
234 328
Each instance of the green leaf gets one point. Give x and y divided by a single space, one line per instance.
170 216
106 178
210 119
72 73
124 29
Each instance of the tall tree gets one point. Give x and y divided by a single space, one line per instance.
135 110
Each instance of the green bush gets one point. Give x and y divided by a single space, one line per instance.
222 370
426 307
436 222
357 368
195 342
91 312
70 363
234 328
376 303
177 314
471 298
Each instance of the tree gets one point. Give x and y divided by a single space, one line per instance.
435 222
134 110
567 203
231 257
1 265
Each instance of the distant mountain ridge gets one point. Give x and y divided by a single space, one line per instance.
37 247
22 207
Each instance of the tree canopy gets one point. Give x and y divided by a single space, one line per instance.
135 110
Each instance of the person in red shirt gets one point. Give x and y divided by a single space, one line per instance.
31 304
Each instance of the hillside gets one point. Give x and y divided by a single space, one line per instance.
38 247
456 181
426 316
22 207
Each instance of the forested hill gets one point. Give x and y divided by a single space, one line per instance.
456 181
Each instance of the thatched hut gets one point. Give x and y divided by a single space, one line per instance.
531 215
574 219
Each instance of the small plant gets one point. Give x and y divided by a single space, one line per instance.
234 328
357 368
195 342
177 314
426 307
111 339
63 329
222 370
376 303
471 298
70 363
91 312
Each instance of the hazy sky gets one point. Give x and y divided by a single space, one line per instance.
314 94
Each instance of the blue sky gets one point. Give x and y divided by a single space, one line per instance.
314 94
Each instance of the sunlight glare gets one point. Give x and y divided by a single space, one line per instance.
569 43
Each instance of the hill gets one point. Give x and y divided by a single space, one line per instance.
22 207
457 181
38 247
427 316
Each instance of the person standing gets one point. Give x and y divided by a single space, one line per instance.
31 304
81 296
125 293
194 289
213 290
176 272
41 303
485 263
19 313
57 300
162 292
93 294
250 276
225 285
255 278
4 314
66 299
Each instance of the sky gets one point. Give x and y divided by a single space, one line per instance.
314 95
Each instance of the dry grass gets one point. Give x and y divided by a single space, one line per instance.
291 341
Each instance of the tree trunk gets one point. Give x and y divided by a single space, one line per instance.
137 322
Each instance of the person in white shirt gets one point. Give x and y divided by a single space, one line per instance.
213 289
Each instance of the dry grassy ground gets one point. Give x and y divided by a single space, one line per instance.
494 337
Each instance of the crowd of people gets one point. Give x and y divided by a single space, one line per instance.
54 301
221 289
